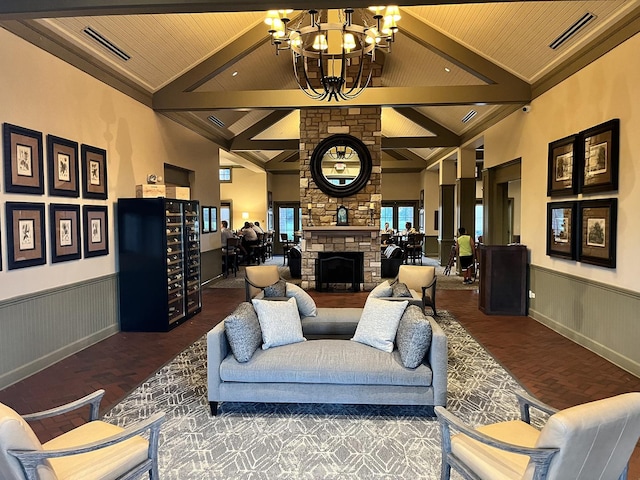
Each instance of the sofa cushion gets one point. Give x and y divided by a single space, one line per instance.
277 289
306 305
379 323
325 361
243 331
381 290
414 336
399 289
279 322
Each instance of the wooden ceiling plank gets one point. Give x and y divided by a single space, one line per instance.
457 53
427 123
216 63
392 143
20 9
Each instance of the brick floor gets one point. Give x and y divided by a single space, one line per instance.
554 369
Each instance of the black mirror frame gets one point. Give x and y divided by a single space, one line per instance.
365 165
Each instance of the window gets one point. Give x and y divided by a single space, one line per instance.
398 214
225 213
225 175
479 220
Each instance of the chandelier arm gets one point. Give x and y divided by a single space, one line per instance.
316 95
356 84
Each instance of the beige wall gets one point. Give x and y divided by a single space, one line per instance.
43 93
401 186
248 192
431 187
285 188
608 88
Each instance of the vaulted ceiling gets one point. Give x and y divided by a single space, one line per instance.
209 66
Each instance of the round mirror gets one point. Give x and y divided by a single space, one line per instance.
341 165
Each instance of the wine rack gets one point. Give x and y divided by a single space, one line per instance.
159 263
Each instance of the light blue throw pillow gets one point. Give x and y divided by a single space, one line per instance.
379 323
279 322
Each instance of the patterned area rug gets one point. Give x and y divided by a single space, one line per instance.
293 441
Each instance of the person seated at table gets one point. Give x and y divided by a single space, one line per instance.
249 237
256 226
225 233
387 229
408 229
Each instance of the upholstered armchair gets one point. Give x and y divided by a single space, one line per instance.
95 450
258 277
421 281
589 441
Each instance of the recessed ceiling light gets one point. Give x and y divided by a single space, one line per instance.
447 69
234 74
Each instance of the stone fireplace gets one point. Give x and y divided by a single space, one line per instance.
320 232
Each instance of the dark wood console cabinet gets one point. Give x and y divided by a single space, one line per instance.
503 279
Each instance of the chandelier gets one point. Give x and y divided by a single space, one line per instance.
330 51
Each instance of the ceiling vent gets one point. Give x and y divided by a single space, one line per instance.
216 121
469 116
106 43
572 31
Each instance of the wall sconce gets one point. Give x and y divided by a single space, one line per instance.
309 206
245 215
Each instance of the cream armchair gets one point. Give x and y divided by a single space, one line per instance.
590 441
421 281
95 450
258 277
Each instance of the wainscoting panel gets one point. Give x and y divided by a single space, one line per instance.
431 247
40 329
211 264
600 317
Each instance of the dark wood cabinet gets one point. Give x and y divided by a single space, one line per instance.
503 279
159 263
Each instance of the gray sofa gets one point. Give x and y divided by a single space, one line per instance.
328 368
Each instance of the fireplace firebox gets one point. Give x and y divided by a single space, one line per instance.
339 268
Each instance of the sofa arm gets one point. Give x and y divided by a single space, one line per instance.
438 360
217 350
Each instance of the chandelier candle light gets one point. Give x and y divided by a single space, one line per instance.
330 43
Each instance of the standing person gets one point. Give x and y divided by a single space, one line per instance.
465 249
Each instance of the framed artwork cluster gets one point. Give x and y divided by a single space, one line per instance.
583 230
209 219
70 169
587 162
584 163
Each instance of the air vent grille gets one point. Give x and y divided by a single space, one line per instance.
469 116
216 121
102 40
572 31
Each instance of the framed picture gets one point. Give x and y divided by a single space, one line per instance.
96 234
23 160
205 219
342 215
561 231
25 234
64 223
598 224
601 147
563 169
94 172
62 160
213 221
